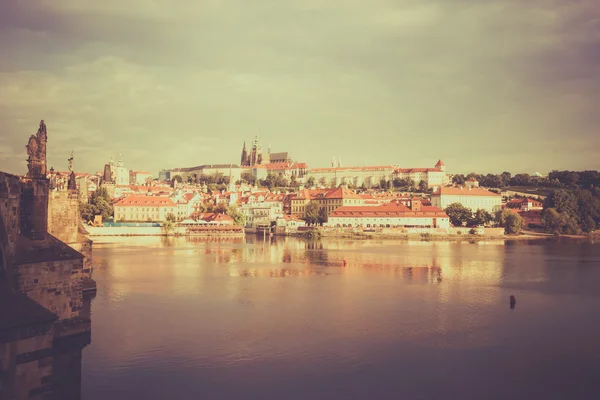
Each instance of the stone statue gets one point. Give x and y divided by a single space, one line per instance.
71 163
36 149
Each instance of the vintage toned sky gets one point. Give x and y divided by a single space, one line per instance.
486 86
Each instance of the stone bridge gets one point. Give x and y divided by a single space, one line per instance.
42 306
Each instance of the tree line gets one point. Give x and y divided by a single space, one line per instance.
555 179
460 215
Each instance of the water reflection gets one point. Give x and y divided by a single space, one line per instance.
283 318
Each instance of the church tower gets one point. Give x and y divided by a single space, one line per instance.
244 161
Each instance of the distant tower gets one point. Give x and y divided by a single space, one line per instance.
244 161
333 162
440 165
339 162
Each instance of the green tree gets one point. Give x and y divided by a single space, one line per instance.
502 215
312 213
238 217
559 223
176 178
459 179
310 182
171 217
458 214
102 207
588 225
423 186
481 217
248 177
505 177
294 181
322 216
514 224
167 227
87 211
564 202
220 208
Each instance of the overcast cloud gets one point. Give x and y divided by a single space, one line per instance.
486 86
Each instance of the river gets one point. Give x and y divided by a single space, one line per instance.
245 319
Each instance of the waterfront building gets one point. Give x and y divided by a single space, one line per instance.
339 197
525 204
261 210
186 204
473 198
213 218
390 215
144 208
300 200
288 223
471 183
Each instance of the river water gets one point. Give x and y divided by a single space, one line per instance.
247 319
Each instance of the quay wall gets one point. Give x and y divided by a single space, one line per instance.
148 231
53 284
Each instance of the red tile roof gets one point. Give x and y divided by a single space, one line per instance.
342 193
151 201
452 191
392 209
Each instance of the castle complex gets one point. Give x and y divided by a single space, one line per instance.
256 156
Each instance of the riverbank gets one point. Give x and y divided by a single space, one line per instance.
355 235
99 231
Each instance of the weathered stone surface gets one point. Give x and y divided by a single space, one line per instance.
36 149
33 208
41 279
63 216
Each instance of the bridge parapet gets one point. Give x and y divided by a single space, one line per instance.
10 199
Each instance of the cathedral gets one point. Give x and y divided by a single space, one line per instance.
255 156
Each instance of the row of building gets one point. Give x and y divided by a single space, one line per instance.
260 164
340 206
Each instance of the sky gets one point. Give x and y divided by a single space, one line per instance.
486 86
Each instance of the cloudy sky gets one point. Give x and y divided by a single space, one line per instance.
486 86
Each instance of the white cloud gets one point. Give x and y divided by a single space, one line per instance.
373 82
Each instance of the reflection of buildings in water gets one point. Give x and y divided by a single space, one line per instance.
41 358
274 273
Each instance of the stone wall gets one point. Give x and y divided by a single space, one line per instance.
10 197
33 208
56 285
63 215
27 364
84 246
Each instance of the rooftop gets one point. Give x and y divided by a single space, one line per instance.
140 200
460 191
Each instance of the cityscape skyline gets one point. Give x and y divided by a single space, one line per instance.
485 87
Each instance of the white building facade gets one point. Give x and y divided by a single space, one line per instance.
473 198
144 208
391 215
